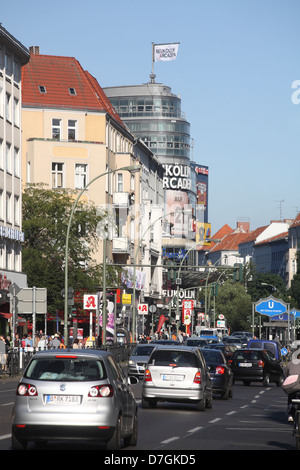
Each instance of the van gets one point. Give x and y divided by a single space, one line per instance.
269 345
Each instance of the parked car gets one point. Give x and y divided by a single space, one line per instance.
177 374
220 372
74 394
138 359
272 346
256 365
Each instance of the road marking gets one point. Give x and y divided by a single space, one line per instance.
5 436
7 404
230 413
169 440
215 420
244 406
195 429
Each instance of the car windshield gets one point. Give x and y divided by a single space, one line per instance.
67 369
142 350
174 358
212 356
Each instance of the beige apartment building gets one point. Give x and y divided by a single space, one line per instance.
13 56
70 135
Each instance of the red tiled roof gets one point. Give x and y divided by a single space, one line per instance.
230 242
57 74
252 236
221 233
296 221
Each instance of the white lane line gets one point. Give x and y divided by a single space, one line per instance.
169 440
215 420
230 413
5 436
195 429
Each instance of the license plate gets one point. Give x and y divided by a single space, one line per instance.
63 400
173 377
245 364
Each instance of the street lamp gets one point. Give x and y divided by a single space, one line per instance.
132 168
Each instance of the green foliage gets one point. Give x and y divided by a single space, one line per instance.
235 304
46 214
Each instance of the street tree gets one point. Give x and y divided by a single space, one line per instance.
235 304
46 214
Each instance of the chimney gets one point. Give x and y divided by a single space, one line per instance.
34 50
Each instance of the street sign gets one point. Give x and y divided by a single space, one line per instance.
126 299
31 300
143 309
90 302
270 306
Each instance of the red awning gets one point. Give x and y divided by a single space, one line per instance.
8 316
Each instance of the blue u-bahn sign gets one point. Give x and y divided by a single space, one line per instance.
270 306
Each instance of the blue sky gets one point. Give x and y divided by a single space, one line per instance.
236 64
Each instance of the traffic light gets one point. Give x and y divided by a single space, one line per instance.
238 272
215 287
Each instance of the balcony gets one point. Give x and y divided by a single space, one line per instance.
121 245
121 199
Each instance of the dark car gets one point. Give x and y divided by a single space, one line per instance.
166 342
196 341
220 372
256 365
138 359
227 349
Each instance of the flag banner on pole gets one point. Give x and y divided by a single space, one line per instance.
165 52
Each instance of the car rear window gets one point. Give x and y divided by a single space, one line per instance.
212 356
174 358
247 355
196 342
66 369
142 351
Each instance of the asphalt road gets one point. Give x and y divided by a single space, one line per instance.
254 419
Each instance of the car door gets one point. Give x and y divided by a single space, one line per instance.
274 366
122 391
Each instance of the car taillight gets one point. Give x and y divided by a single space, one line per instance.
101 391
220 370
230 362
261 363
147 376
27 390
197 378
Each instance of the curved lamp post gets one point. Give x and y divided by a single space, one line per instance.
132 168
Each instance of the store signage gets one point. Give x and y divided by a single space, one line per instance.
177 177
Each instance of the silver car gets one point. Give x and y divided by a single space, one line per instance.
74 394
177 374
138 359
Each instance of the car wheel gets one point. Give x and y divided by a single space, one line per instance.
132 439
266 380
209 400
18 444
148 402
115 441
280 381
201 404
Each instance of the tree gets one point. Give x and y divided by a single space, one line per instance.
235 304
46 214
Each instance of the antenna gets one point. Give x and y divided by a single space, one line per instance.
280 208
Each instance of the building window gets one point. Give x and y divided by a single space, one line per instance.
80 176
8 107
42 89
8 207
1 205
119 182
16 162
56 129
1 102
72 129
57 175
72 91
17 210
8 158
1 153
16 112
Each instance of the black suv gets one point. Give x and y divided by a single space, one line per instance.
256 365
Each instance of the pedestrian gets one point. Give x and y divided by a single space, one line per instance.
292 368
55 342
42 343
17 343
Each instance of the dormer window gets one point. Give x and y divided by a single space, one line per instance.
72 91
42 89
